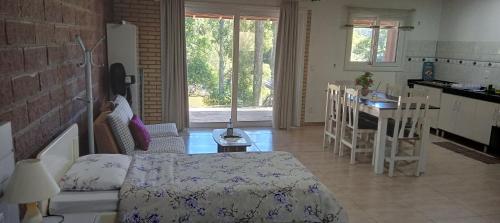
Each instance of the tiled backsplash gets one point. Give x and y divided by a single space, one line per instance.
416 50
469 62
463 62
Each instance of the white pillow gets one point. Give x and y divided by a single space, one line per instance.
96 172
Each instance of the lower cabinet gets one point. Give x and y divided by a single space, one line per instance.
467 117
434 100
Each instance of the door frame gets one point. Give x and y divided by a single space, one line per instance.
235 10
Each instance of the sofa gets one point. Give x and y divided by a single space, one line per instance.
112 134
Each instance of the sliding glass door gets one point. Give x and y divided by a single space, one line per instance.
209 48
230 60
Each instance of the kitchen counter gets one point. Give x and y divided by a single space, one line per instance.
446 87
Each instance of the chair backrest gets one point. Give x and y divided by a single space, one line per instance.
333 96
350 111
410 116
394 90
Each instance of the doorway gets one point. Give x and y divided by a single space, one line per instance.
230 66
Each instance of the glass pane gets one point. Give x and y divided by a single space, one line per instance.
256 69
388 42
361 44
362 34
209 48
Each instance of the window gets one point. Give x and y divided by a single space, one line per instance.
375 39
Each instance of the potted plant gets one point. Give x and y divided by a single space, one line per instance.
365 81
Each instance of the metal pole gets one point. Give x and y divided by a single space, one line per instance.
90 100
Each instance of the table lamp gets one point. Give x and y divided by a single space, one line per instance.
30 183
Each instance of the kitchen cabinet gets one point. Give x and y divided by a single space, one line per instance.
486 115
434 100
467 117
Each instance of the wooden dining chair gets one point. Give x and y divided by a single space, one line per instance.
332 116
404 131
356 132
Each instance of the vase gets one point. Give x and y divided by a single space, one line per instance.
365 91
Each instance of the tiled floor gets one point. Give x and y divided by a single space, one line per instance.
454 188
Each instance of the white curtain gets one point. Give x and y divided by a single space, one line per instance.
173 68
285 68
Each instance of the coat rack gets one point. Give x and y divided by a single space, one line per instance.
87 64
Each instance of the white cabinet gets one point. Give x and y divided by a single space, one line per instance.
485 116
447 113
467 117
434 100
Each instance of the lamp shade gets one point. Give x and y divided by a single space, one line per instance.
30 182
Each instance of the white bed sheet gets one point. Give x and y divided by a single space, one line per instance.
83 202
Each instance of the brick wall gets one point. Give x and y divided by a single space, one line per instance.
39 76
145 14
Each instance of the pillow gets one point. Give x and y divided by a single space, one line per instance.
96 172
122 104
118 122
140 133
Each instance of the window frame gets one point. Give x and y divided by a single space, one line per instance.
373 65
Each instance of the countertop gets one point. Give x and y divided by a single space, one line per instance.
445 86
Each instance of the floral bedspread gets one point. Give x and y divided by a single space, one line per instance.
225 187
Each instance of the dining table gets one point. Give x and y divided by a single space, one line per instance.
384 107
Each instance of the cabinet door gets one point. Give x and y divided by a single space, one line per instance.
465 119
484 118
434 100
447 112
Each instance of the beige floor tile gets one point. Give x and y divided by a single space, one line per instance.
453 189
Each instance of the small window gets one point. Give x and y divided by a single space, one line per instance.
374 44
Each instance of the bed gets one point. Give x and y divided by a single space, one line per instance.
225 187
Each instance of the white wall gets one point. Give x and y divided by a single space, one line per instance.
328 43
466 20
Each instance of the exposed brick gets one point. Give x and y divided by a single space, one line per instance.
20 32
44 33
9 7
71 90
5 92
51 124
56 55
53 12
38 106
3 37
12 60
56 97
68 14
35 58
49 78
19 117
29 143
32 9
61 34
25 85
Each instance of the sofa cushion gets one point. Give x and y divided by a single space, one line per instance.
103 135
118 121
165 145
162 130
140 133
122 104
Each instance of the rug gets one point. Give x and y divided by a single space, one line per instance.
469 152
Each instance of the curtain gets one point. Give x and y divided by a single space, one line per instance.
173 68
285 66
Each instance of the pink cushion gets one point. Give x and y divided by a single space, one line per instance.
139 132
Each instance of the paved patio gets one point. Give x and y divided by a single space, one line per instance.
207 115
